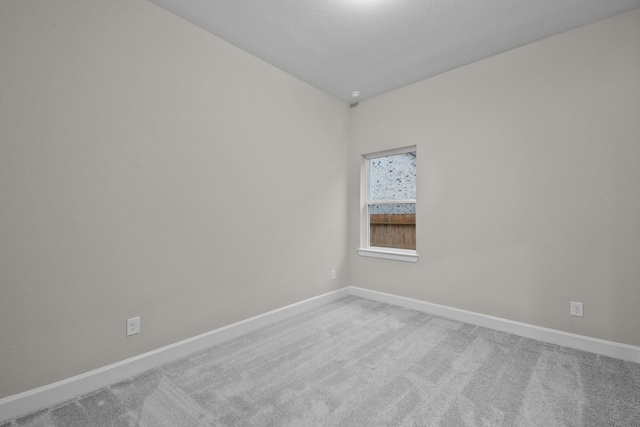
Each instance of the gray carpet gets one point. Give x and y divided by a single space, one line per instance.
357 362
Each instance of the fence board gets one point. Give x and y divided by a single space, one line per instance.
393 231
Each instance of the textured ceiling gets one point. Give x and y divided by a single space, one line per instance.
374 46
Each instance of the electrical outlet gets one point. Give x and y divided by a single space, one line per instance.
133 326
576 309
333 275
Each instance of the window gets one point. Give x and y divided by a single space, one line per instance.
389 205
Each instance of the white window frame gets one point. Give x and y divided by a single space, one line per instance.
366 250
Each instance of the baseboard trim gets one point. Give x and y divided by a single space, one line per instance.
43 397
593 345
52 394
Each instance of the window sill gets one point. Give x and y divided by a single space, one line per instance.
388 253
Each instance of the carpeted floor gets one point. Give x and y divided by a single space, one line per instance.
357 362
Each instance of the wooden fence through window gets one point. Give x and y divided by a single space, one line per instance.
393 231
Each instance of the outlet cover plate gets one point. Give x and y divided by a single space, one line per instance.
576 309
133 326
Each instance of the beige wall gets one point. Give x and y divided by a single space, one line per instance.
528 182
148 168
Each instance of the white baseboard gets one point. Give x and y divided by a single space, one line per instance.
593 345
52 394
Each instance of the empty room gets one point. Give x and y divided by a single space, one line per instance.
319 213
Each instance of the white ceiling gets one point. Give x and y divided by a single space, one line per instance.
374 46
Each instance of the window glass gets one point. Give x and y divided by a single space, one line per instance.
393 226
392 177
391 201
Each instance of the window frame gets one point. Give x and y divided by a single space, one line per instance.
365 249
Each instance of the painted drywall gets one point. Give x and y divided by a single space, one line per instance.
528 183
148 168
